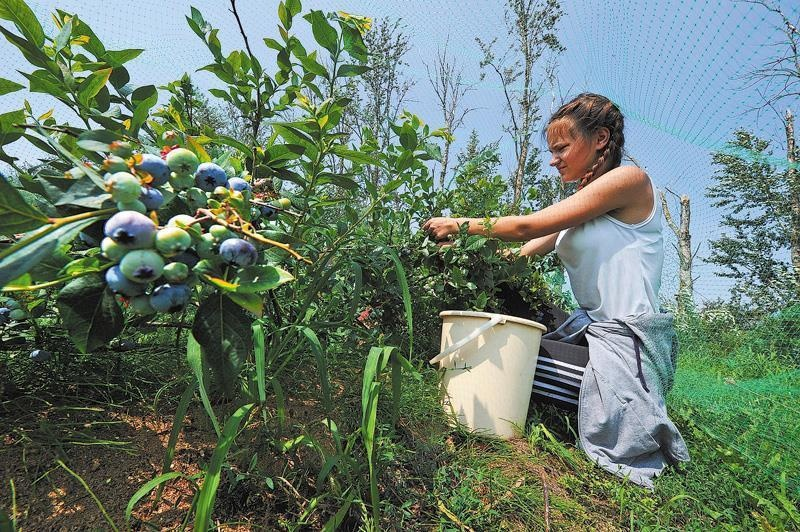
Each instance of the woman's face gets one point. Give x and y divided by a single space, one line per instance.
572 154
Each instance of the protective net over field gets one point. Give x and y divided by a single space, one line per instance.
687 75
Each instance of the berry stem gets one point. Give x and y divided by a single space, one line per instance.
56 223
254 236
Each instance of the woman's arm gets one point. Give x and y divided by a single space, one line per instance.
615 189
539 246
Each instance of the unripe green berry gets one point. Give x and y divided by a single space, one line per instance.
134 205
207 247
141 305
123 186
220 232
142 265
172 240
111 250
176 272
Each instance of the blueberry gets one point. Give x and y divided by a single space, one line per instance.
152 198
172 240
142 265
268 212
114 164
119 284
40 355
210 176
156 167
237 183
208 246
141 305
131 230
238 252
135 206
176 272
170 297
4 315
182 161
121 149
123 186
111 250
169 137
180 181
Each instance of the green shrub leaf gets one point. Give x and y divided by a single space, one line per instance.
89 312
23 18
7 86
16 216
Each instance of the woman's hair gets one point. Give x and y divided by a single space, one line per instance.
587 113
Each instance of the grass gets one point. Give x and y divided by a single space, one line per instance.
736 407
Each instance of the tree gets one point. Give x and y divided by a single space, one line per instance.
684 248
479 189
449 88
761 203
383 88
531 24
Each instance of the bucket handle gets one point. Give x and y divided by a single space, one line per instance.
467 339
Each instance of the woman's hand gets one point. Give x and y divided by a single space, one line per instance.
442 227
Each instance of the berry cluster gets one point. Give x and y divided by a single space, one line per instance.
10 311
153 265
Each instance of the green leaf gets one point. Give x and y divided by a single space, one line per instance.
283 15
18 12
32 53
143 98
356 156
408 137
8 131
97 140
147 488
254 279
250 302
63 37
272 43
45 82
346 71
16 216
322 366
194 357
223 329
260 355
354 43
8 86
90 86
117 58
89 312
294 7
208 493
323 32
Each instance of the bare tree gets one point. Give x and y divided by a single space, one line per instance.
685 294
780 77
449 87
384 88
793 178
531 24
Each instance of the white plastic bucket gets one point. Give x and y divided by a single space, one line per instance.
489 361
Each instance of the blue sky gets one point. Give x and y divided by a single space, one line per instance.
674 67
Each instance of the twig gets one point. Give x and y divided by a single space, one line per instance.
546 491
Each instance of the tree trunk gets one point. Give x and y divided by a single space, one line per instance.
445 158
685 282
793 175
519 175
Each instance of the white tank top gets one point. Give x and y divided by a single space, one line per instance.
614 268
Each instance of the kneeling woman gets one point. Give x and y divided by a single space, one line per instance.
608 236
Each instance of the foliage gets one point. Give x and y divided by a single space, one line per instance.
753 192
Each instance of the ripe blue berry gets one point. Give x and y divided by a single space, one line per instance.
4 315
268 212
238 252
142 265
237 183
156 167
119 284
170 297
131 230
152 198
210 176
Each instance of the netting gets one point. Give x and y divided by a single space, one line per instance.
681 73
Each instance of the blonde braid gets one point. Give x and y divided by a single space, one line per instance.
613 149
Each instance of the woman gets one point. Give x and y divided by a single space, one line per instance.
608 236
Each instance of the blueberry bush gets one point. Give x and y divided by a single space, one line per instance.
271 246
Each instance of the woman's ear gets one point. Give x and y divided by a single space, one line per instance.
601 138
